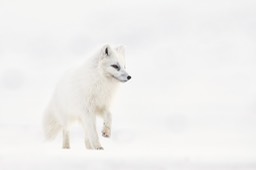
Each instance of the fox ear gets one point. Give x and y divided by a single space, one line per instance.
106 50
120 49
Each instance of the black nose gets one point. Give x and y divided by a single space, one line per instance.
129 77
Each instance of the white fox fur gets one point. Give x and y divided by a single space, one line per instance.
84 93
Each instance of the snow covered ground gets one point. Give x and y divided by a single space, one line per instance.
191 103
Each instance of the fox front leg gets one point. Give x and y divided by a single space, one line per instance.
66 142
91 135
107 118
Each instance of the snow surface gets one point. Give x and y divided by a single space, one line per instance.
191 103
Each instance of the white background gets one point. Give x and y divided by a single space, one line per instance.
189 105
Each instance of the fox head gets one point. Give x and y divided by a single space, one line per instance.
112 63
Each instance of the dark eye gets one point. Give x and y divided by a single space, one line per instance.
115 66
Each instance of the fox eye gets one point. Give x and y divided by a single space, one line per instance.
116 67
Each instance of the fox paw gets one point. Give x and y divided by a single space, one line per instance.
100 148
106 132
66 147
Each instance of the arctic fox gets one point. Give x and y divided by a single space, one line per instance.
84 93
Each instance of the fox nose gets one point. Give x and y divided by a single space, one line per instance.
129 77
